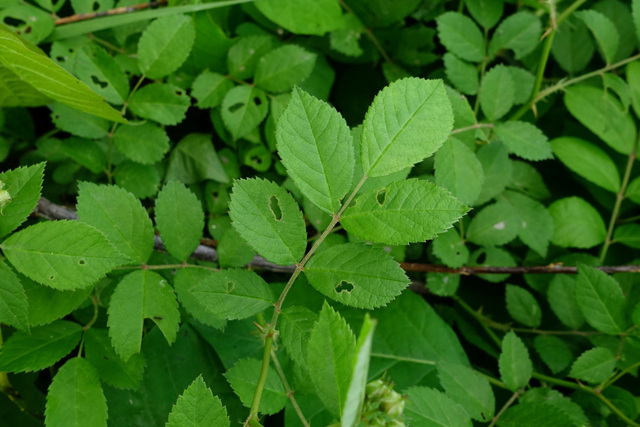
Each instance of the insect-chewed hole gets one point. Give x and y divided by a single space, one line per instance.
274 205
344 286
229 287
13 22
235 107
482 258
96 6
257 101
82 262
99 82
51 277
381 196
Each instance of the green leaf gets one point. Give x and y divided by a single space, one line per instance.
594 366
284 67
562 300
198 407
85 152
312 18
233 294
295 327
64 255
32 23
243 56
14 306
601 301
536 222
523 82
421 122
179 218
356 275
141 295
523 307
572 47
468 388
40 72
492 256
163 103
187 279
519 32
534 414
429 407
79 123
269 219
316 147
459 170
576 223
633 191
145 143
604 32
633 79
602 114
354 402
443 284
588 161
628 234
120 216
330 353
165 45
403 212
524 140
486 12
100 71
495 225
22 187
210 88
243 377
526 179
461 36
514 362
243 109
497 92
463 75
75 397
194 159
451 249
497 168
41 348
233 251
141 180
554 352
16 93
47 304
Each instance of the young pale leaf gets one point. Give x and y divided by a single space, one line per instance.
295 328
588 161
403 212
514 362
198 407
519 32
243 108
179 218
20 190
497 168
194 159
75 397
523 307
355 395
64 255
450 248
233 294
536 222
428 407
316 147
603 30
165 45
554 352
562 300
594 366
461 36
145 143
497 92
463 75
210 88
100 71
495 225
141 295
283 68
576 223
459 171
312 18
467 387
601 301
407 122
269 219
120 216
524 140
602 114
330 354
356 275
163 103
41 348
14 306
243 377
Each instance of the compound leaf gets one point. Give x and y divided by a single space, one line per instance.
101 72
429 407
497 92
495 225
210 88
194 159
295 327
603 30
243 377
519 32
243 108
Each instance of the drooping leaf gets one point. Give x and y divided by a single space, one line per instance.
497 92
198 407
14 306
514 362
429 407
160 102
604 32
459 171
468 388
576 223
461 36
283 68
22 187
594 366
601 301
243 109
524 140
145 143
194 159
312 18
519 32
243 377
523 307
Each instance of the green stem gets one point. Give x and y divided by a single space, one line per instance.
617 411
620 375
557 381
472 127
369 34
288 389
502 327
493 381
480 320
512 399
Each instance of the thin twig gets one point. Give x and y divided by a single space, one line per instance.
116 11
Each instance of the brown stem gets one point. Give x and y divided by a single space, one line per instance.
117 11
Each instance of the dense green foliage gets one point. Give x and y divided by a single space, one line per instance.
332 151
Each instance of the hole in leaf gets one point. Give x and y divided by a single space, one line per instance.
95 6
61 58
274 205
82 262
482 258
381 196
229 288
215 195
158 317
13 22
27 30
236 107
51 277
257 101
343 286
256 159
99 82
179 93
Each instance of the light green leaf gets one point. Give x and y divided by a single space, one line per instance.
16 93
534 414
145 143
526 179
295 327
243 56
356 275
594 365
495 225
165 45
21 187
429 407
601 301
64 255
187 279
463 75
562 300
514 362
497 168
243 377
497 92
243 109
141 295
468 388
554 352
14 306
628 234
316 147
536 222
588 161
330 353
486 12
141 180
179 218
120 216
85 152
163 103
403 212
572 47
75 397
210 88
32 23
284 67
603 30
524 140
269 219
194 159
198 407
421 121
523 307
576 223
100 71
523 82
602 114
461 36
86 125
312 18
346 40
519 32
459 170
40 348
451 249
